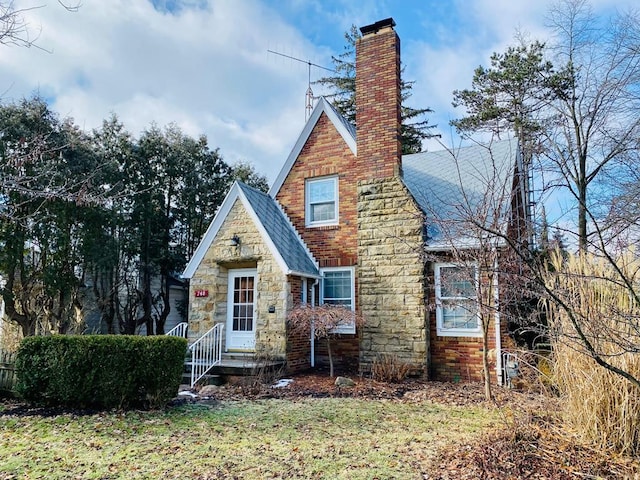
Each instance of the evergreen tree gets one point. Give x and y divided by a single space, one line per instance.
46 168
246 173
415 127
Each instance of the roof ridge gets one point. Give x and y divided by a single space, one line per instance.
475 144
342 126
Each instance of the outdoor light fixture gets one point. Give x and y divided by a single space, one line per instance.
235 240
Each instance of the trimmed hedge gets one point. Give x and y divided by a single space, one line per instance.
100 371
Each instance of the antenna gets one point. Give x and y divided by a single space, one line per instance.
308 103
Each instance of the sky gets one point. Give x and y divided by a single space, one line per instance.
205 64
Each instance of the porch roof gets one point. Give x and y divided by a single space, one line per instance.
281 231
276 230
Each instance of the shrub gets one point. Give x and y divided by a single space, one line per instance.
388 368
100 371
325 321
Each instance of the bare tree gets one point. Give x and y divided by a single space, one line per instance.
15 29
573 104
595 125
471 208
587 127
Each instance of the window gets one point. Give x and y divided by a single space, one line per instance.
322 201
456 302
338 289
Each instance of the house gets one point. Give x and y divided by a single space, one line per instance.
348 221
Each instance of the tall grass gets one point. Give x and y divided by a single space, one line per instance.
599 306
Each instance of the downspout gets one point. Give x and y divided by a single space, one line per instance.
496 300
313 333
304 290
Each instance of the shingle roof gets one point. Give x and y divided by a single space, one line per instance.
346 123
449 185
281 231
274 226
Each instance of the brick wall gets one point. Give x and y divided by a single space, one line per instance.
325 153
298 346
455 359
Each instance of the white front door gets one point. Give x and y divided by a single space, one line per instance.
241 309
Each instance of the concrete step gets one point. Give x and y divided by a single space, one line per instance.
208 379
238 364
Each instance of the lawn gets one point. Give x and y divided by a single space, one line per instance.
333 438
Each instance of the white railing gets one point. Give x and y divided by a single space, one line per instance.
206 352
180 330
510 368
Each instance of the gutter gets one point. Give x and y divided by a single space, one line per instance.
303 274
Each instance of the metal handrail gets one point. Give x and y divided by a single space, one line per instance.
180 330
206 352
510 368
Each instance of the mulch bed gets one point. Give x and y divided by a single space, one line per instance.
320 385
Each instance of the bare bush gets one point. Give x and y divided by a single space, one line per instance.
389 369
323 321
266 368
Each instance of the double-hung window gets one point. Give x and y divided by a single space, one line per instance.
456 300
338 288
321 201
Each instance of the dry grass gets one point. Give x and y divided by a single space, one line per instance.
600 405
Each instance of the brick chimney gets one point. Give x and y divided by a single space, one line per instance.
378 100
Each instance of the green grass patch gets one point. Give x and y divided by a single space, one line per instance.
313 438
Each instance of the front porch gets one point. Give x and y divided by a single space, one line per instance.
205 358
238 365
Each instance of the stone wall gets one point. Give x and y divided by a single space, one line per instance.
391 274
212 275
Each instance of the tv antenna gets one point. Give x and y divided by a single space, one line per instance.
308 103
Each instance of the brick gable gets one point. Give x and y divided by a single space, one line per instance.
324 153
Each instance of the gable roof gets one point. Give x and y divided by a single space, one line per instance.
346 130
276 230
450 185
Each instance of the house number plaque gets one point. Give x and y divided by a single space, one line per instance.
202 293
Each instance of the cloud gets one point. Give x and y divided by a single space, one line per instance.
204 65
206 68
